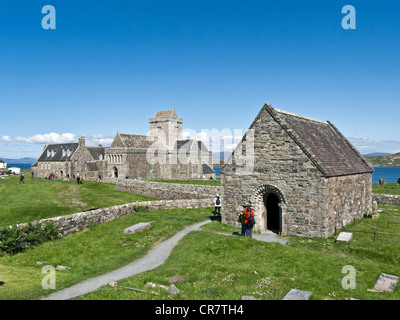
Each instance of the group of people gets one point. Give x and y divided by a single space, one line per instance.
52 176
246 217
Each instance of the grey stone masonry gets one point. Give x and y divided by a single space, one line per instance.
137 227
386 199
170 191
295 294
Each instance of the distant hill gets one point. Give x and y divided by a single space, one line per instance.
376 154
391 160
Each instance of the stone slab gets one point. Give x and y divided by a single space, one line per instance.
248 298
386 282
175 279
137 227
344 237
295 294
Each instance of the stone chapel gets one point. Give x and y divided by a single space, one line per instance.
305 178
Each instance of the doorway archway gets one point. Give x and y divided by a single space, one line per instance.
269 207
115 172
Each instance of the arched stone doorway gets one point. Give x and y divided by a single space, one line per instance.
269 207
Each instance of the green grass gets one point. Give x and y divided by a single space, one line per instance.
40 198
388 188
92 252
216 182
222 267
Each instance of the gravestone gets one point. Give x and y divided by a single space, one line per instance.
137 227
344 237
173 289
295 294
386 282
375 211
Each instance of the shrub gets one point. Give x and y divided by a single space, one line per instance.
16 239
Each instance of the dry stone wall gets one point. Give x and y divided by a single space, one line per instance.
79 221
170 191
386 199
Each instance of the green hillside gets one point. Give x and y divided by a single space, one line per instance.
390 160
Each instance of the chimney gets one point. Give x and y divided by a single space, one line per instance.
81 141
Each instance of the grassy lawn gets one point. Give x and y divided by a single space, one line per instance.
216 266
227 267
40 198
89 253
216 182
388 188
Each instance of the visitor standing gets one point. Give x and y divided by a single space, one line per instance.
242 220
250 222
21 179
217 205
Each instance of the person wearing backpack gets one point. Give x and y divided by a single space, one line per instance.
242 220
217 205
250 222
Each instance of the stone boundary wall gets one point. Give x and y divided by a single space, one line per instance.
170 191
78 221
386 199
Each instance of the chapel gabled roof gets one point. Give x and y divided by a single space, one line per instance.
323 143
207 169
58 152
136 141
97 152
166 114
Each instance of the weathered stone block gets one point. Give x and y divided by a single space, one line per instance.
386 282
295 294
344 237
137 227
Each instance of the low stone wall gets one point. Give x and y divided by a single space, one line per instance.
386 199
170 191
81 220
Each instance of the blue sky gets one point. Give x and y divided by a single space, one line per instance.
111 65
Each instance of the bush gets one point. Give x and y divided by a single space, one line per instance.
16 239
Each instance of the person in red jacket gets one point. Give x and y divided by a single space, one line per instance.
249 226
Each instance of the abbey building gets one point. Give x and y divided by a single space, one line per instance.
163 154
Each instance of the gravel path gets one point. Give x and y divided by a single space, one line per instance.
151 260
